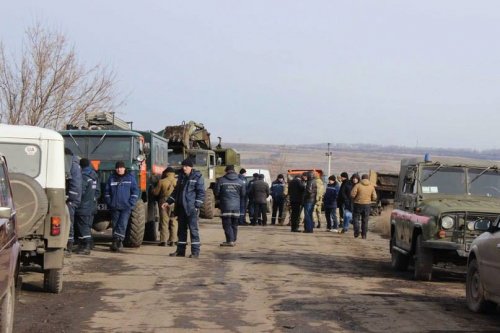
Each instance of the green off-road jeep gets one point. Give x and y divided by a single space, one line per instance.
436 206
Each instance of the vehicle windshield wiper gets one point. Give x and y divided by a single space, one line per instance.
480 174
432 173
76 143
99 143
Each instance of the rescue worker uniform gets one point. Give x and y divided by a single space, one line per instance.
278 193
230 190
73 173
84 213
188 196
121 194
330 204
168 222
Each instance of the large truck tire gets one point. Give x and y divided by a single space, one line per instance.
423 261
31 202
136 225
53 280
152 231
207 211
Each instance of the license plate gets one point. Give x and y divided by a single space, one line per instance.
102 207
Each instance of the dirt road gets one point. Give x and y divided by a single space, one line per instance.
272 281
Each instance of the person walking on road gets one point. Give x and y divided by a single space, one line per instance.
260 192
330 204
363 194
278 193
168 222
188 196
296 190
121 195
309 202
230 190
84 213
244 202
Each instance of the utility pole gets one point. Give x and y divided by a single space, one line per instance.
329 154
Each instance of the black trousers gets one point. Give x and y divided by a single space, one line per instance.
260 213
295 215
361 212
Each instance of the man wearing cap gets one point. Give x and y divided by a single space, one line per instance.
230 190
330 204
278 193
168 222
243 207
250 198
188 196
296 190
121 195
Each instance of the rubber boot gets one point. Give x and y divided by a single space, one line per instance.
84 247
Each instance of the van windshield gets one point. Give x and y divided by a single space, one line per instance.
22 158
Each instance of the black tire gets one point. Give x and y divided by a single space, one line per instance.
53 280
31 202
423 261
207 211
136 225
101 225
152 232
474 291
399 261
7 306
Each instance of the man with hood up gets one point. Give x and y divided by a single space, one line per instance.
363 193
231 190
84 213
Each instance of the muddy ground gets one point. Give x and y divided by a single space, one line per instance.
272 281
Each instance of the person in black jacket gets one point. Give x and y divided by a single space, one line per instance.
84 214
345 192
243 207
278 192
250 198
309 202
259 193
344 177
188 196
296 189
121 195
330 204
230 190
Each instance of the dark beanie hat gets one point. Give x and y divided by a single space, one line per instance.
187 162
170 169
344 175
332 177
261 176
120 164
255 175
229 168
242 171
281 176
84 162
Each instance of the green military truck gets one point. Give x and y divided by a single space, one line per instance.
107 140
436 206
192 140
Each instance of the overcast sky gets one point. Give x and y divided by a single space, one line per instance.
421 73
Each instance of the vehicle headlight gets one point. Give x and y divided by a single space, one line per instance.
471 225
447 222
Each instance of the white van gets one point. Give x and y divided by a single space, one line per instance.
35 158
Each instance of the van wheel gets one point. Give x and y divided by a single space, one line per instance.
7 310
423 261
53 280
208 209
399 261
31 202
474 291
136 224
